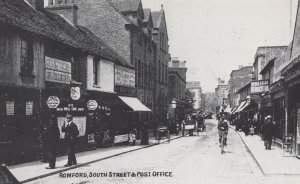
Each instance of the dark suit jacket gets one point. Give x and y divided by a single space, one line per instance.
71 132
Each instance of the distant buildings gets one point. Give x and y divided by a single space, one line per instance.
238 78
195 88
221 95
177 86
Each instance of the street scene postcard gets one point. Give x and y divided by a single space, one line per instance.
149 91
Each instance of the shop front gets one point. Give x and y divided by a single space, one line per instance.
292 99
277 94
19 124
60 99
102 118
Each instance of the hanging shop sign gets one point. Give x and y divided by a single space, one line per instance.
260 86
75 93
53 102
10 108
124 76
92 105
29 107
79 121
57 70
121 138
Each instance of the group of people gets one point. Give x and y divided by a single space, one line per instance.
267 129
51 136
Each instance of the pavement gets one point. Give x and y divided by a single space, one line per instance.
190 159
35 170
271 162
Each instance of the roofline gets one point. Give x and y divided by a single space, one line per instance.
268 65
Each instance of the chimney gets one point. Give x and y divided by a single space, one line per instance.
240 66
37 4
66 8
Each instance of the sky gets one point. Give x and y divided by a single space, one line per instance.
216 36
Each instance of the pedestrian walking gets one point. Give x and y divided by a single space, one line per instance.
145 137
268 132
71 133
51 140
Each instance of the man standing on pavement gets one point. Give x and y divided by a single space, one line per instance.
268 132
51 138
71 133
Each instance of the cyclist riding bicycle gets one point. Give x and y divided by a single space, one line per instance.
223 130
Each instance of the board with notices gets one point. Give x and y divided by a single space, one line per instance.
79 121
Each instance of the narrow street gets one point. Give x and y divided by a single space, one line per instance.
194 159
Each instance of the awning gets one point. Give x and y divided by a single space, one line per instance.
134 104
234 109
246 105
240 106
228 109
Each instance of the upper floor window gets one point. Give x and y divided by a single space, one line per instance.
75 70
96 72
26 55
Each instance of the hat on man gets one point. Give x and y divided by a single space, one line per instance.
269 117
69 115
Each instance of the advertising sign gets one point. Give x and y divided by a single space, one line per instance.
124 76
53 102
57 70
10 108
121 138
75 93
189 127
79 121
92 105
260 86
29 107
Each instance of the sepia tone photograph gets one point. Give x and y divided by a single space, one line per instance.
149 91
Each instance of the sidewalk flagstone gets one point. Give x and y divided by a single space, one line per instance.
36 169
272 162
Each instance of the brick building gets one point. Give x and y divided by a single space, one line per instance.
238 78
177 86
160 37
125 28
50 66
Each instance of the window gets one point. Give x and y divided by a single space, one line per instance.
139 73
26 55
75 70
96 72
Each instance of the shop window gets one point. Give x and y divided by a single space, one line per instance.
26 55
96 72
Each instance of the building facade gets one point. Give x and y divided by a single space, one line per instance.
160 37
221 95
50 66
124 26
195 88
238 78
177 87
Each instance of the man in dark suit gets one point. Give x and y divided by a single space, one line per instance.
71 133
51 140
